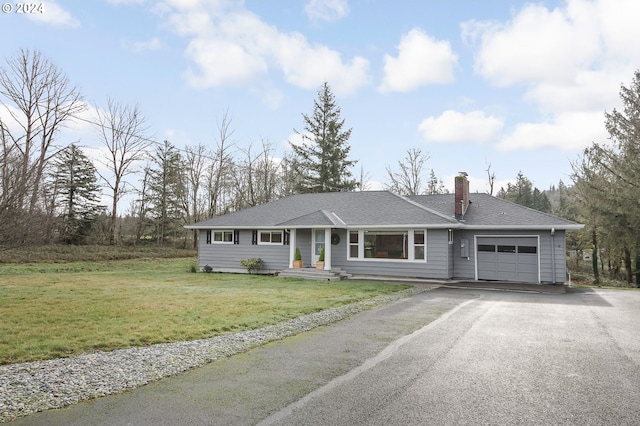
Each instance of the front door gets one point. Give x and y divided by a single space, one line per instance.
318 243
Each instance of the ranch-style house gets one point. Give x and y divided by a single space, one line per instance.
468 236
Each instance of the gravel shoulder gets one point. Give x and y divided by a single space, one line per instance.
33 387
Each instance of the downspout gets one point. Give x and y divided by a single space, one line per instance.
553 255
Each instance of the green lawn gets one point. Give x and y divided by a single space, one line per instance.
51 310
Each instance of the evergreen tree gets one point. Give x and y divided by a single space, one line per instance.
522 192
435 185
607 179
78 195
167 191
322 162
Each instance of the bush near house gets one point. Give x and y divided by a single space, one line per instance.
253 265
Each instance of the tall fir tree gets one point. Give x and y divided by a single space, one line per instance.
522 192
607 181
78 195
322 161
167 191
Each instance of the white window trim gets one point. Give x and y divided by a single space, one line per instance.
271 232
412 245
410 241
222 231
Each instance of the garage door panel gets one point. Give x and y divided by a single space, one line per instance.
487 261
507 258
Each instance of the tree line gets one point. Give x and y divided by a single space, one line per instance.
607 190
52 192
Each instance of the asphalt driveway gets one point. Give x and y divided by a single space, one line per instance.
446 356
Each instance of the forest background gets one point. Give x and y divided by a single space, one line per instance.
52 192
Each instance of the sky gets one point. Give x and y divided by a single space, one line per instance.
510 85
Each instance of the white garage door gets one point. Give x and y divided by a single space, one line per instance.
508 258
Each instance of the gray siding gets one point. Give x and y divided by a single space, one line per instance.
560 251
444 260
465 268
226 257
437 265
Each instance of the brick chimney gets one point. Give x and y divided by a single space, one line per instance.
461 195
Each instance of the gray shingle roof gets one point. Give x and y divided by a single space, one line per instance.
486 211
385 209
334 209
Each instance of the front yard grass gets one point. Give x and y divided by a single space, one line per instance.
52 310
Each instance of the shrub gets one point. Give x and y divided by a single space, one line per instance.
298 255
207 269
321 256
253 265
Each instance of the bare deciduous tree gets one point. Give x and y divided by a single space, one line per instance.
363 180
220 167
38 100
122 130
196 165
492 178
408 180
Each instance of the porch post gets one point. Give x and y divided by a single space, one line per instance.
292 247
327 249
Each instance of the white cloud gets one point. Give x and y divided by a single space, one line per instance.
618 23
327 10
373 185
53 14
232 46
538 44
309 66
590 91
568 131
271 96
453 126
153 44
569 62
8 115
421 60
299 139
220 62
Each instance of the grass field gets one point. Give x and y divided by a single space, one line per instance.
50 310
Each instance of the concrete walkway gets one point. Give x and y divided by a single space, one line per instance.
508 286
475 285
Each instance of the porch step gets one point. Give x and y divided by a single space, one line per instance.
314 274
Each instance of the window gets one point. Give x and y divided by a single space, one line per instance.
528 249
270 237
506 249
387 244
407 245
418 245
219 237
353 244
487 248
223 236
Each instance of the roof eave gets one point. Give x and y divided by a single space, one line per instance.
560 227
323 226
